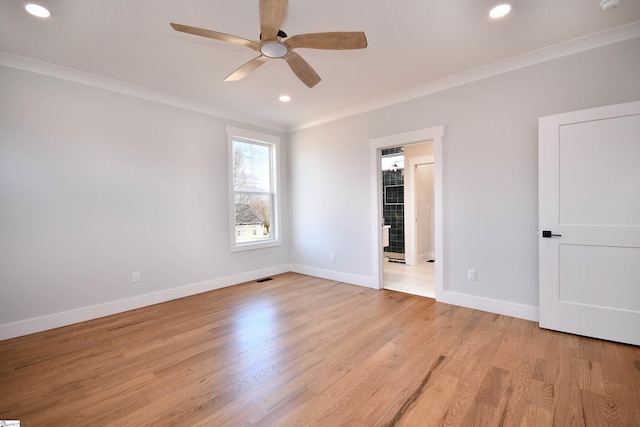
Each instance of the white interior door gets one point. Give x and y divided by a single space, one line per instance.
589 201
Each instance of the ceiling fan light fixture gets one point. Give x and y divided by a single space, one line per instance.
500 11
274 50
37 10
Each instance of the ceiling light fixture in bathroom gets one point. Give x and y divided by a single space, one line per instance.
392 162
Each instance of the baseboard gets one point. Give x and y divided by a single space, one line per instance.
56 320
520 311
352 279
478 303
424 257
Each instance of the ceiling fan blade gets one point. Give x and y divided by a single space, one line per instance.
242 72
215 35
302 69
333 41
272 14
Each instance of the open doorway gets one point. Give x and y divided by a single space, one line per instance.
392 167
408 215
404 270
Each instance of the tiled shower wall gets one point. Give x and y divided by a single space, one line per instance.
393 214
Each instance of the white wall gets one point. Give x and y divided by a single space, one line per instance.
425 211
423 204
490 174
418 150
95 185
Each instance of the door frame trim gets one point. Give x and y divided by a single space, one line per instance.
433 134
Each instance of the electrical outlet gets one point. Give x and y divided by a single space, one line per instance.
471 274
136 276
332 258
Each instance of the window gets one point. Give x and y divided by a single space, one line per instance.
253 180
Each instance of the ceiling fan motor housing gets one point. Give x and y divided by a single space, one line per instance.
281 34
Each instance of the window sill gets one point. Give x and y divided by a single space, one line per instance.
249 246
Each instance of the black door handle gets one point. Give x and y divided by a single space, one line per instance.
547 233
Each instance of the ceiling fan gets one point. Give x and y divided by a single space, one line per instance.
274 43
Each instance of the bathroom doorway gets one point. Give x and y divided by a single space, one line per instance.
392 164
423 278
408 260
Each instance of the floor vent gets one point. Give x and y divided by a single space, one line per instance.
432 260
266 279
397 261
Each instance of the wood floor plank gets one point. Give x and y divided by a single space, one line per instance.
299 350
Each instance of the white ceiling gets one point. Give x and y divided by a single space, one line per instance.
411 43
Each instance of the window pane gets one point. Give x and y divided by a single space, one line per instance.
253 213
251 167
254 205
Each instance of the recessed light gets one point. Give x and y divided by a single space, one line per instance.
500 11
285 98
37 10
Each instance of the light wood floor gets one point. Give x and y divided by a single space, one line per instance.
419 279
303 351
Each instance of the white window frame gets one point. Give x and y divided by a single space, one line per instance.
274 142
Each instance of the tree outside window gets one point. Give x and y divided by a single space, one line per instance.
253 192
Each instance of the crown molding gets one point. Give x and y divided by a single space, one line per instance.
93 80
592 41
